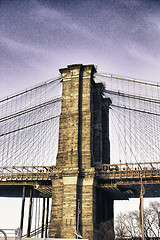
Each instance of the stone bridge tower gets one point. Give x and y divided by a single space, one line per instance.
83 144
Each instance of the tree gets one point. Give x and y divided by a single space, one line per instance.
127 224
151 220
105 231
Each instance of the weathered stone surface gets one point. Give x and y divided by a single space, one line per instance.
81 147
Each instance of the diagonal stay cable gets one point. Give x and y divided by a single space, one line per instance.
134 135
117 77
122 94
30 109
117 117
31 89
31 125
136 110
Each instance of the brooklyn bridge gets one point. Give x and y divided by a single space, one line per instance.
79 142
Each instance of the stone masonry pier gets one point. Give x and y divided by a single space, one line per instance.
82 147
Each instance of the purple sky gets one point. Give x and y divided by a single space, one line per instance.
39 37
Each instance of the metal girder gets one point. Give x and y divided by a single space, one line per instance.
118 194
131 190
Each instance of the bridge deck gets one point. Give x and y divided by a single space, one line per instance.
120 180
129 171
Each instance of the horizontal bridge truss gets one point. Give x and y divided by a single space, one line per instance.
106 171
109 176
129 171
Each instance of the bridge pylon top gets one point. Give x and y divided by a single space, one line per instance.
79 65
82 120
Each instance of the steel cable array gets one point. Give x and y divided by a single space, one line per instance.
29 122
29 126
134 118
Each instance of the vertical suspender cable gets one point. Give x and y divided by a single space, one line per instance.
47 215
43 216
22 210
30 213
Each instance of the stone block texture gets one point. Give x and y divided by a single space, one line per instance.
82 146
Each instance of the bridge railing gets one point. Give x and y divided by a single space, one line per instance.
110 171
24 172
129 170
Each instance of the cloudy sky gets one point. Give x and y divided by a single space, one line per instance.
38 37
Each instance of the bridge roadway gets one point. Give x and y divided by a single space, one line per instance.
122 181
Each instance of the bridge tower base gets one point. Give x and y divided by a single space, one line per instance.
81 148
